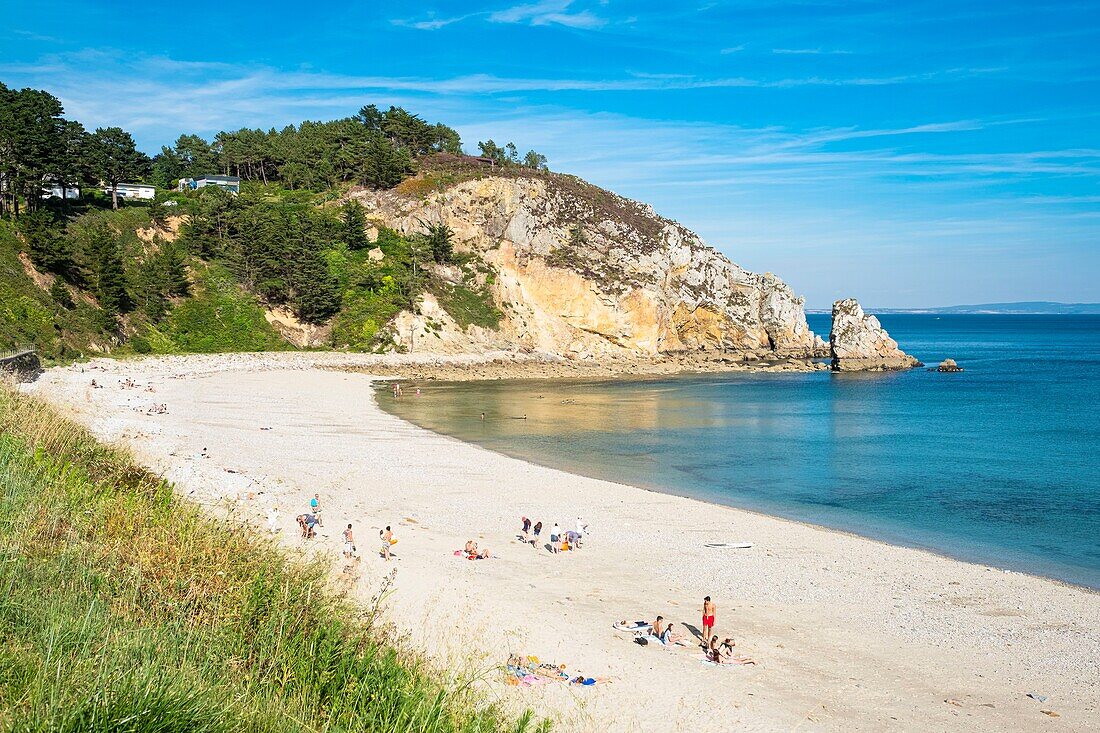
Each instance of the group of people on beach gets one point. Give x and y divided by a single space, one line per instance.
311 520
714 650
560 540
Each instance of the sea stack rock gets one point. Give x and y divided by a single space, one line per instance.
948 365
859 343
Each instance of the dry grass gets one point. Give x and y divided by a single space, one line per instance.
124 608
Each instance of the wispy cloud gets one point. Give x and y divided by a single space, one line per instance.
548 12
810 52
432 23
732 49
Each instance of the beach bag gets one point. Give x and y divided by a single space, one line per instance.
641 640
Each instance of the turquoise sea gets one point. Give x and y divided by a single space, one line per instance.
998 465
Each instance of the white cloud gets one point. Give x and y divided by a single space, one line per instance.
548 12
810 52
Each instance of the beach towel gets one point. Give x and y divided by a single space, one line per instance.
632 626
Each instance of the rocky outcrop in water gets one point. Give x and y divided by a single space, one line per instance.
948 365
859 343
583 273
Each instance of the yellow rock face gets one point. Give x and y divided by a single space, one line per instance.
586 274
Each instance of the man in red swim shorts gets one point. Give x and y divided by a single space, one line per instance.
708 618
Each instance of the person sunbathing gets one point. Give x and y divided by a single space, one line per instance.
473 553
659 626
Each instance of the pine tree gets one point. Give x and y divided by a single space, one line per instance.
110 276
354 220
174 270
439 240
114 158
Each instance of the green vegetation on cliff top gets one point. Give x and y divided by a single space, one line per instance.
77 279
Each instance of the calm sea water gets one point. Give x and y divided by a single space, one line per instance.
999 464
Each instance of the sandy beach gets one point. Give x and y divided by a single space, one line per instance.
848 633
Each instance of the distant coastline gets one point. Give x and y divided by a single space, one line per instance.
1021 308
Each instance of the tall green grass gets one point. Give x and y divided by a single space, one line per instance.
123 608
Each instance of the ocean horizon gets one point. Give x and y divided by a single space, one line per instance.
995 465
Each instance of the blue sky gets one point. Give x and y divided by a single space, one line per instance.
917 153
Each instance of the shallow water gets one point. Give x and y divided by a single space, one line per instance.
999 464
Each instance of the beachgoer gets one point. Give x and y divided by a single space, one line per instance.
582 527
712 651
526 527
418 391
726 647
387 540
473 553
315 507
273 519
555 538
537 530
708 618
349 543
666 636
482 416
306 522
659 626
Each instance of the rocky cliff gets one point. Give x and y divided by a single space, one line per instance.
858 342
583 273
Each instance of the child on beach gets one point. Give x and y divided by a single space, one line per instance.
386 536
349 543
315 509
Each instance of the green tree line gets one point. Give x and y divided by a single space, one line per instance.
39 147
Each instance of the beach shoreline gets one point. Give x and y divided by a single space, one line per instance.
850 633
577 470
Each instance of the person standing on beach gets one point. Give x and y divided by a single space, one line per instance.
537 531
315 508
526 527
708 618
555 538
349 543
387 540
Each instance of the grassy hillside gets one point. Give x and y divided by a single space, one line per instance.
200 275
122 608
